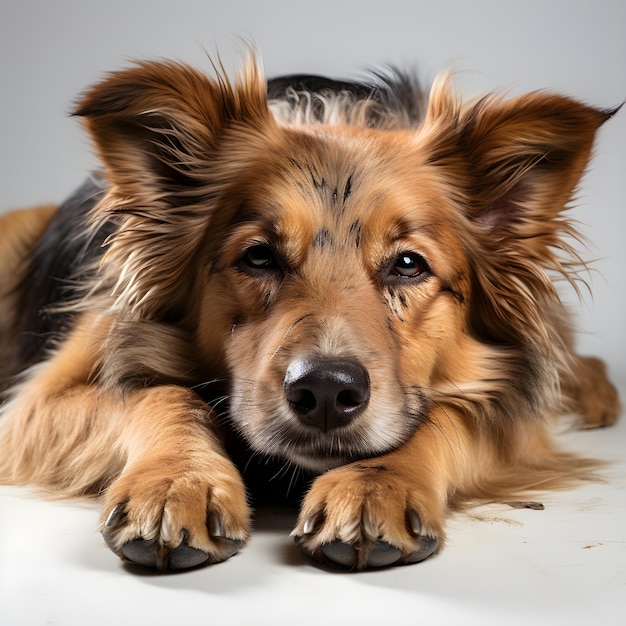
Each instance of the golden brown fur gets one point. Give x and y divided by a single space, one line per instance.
18 232
247 241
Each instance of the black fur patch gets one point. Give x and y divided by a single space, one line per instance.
355 231
322 239
394 90
347 190
52 272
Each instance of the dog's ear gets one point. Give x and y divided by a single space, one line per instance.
157 124
514 165
526 157
519 160
157 128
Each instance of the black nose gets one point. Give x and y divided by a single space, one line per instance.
326 393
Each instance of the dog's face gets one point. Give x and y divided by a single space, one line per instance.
342 277
345 280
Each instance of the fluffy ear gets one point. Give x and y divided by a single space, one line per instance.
516 164
156 124
526 157
156 128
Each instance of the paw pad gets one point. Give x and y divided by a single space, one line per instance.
379 554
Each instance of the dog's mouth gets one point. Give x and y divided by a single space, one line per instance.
310 449
322 413
317 451
328 414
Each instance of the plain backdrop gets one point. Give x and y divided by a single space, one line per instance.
565 565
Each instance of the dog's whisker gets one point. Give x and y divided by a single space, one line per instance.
209 383
287 333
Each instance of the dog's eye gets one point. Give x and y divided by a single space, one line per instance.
260 257
409 265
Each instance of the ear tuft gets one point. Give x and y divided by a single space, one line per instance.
160 119
526 155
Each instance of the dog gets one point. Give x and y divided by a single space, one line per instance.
343 287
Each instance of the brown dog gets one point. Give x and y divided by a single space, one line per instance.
351 280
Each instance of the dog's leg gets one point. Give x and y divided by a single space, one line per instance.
389 509
593 395
179 501
172 497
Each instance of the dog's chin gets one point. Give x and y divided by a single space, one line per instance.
319 455
320 461
318 464
278 434
310 456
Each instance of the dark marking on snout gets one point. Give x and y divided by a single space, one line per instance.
395 301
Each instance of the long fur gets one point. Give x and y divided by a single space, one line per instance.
242 231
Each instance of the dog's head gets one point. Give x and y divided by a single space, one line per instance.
343 277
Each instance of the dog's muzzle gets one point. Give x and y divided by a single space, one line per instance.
326 393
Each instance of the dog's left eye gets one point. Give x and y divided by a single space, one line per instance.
409 265
260 258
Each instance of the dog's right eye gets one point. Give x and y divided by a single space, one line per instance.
260 258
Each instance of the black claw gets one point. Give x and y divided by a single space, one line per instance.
116 516
427 547
414 522
108 539
310 523
216 529
155 555
370 555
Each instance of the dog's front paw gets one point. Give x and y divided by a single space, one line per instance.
176 519
363 515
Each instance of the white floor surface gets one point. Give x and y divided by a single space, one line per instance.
565 565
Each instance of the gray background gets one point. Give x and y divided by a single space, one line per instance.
50 51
